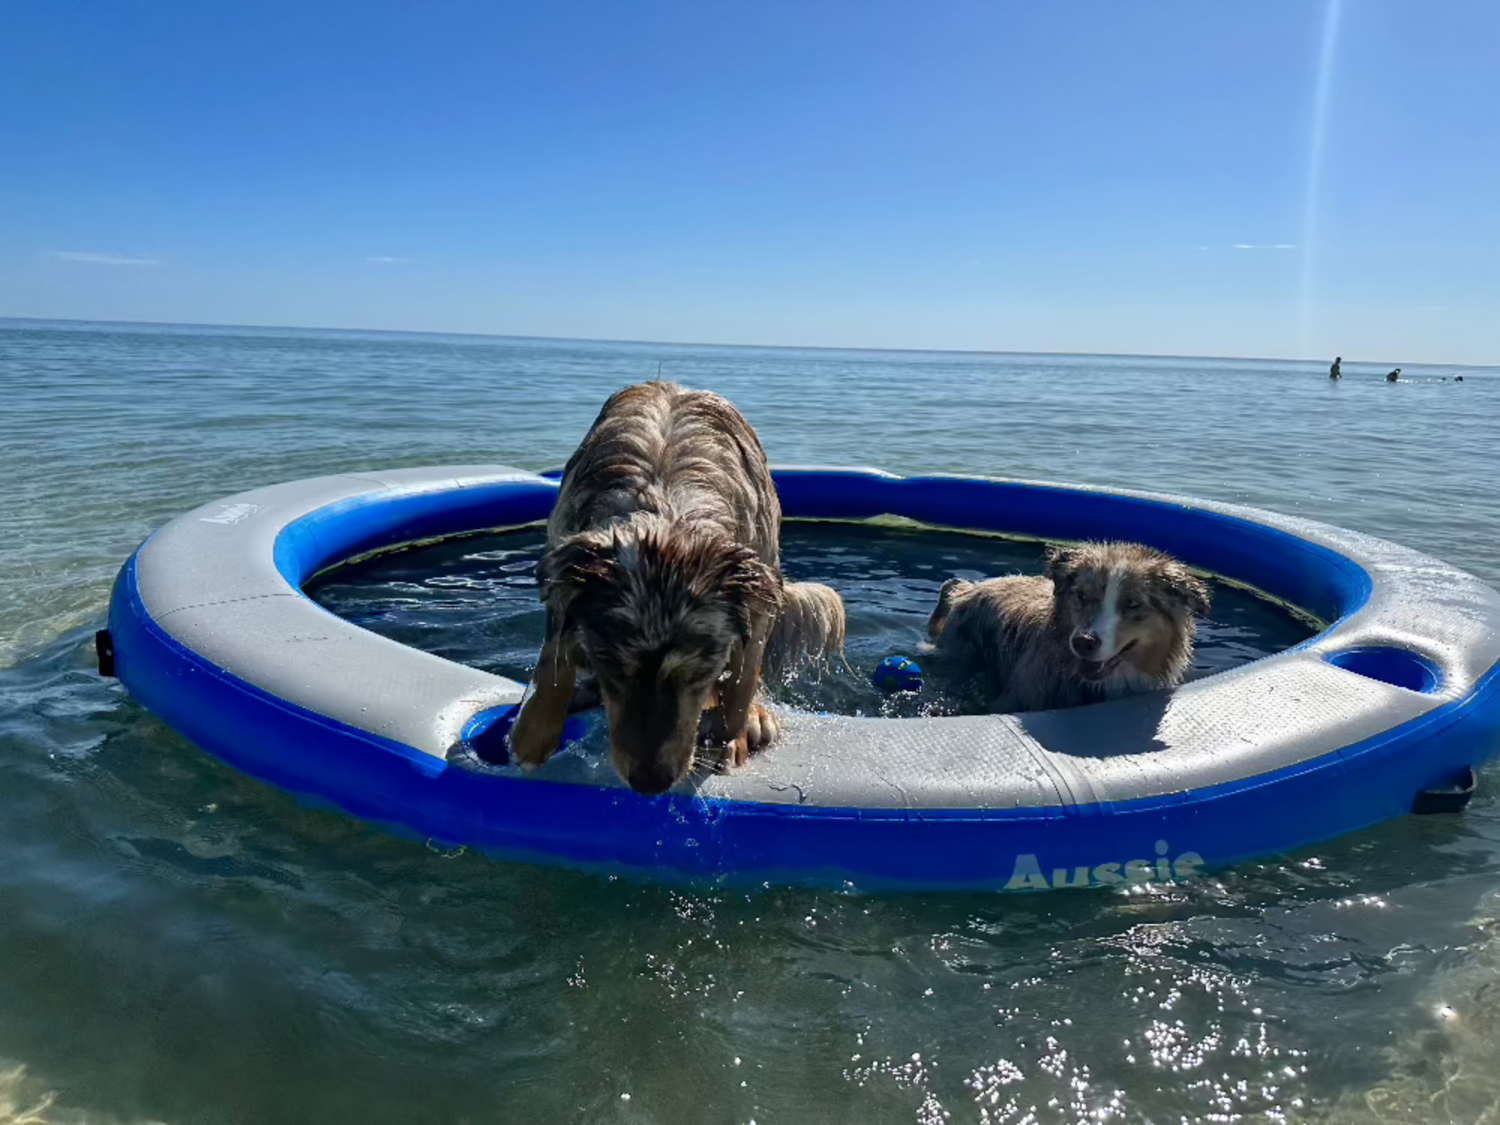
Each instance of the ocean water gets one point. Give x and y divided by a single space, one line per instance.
179 943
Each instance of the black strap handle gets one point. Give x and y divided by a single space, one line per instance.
104 649
1450 798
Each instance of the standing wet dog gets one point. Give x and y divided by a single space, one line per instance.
1104 620
662 582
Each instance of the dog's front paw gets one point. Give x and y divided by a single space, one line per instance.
761 729
531 742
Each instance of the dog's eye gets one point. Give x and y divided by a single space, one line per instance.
1132 605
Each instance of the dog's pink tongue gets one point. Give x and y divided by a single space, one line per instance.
1098 669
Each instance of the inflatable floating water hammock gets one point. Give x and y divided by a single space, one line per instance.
1386 711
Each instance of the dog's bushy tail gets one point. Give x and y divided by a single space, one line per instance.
951 590
809 632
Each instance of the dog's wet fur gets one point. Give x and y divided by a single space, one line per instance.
1104 620
809 634
662 582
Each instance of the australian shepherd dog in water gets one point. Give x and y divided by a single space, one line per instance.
1104 620
662 582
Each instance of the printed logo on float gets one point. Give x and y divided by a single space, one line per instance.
231 513
1030 875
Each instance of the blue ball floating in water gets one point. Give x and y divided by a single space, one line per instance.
897 673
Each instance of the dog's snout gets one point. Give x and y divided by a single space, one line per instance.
651 780
1085 645
651 736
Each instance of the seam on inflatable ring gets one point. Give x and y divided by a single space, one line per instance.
429 765
1075 792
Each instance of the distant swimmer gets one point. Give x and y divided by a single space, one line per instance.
1393 376
1458 378
1334 372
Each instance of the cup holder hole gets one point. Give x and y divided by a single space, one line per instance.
487 734
1398 667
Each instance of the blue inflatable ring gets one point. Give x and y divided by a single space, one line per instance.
1391 706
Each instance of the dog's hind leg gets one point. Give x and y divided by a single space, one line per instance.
539 726
951 589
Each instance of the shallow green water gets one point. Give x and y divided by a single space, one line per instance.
180 943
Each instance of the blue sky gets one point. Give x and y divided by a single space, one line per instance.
1082 176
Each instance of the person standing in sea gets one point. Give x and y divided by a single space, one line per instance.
1333 370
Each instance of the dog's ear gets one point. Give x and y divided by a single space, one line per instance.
1186 588
570 569
750 585
1060 565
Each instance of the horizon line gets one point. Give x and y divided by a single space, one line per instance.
708 343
